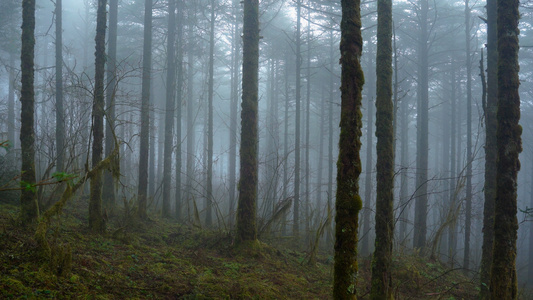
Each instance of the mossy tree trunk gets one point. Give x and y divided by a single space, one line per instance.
96 219
109 181
503 273
491 149
142 191
381 263
348 202
169 107
246 210
29 211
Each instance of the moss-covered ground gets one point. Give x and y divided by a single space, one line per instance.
161 259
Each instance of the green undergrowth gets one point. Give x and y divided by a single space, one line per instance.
160 259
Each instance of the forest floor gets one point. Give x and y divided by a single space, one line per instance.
161 259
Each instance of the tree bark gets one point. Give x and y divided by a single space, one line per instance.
29 210
469 158
365 240
491 149
209 199
348 202
296 212
246 211
503 283
179 86
382 259
169 107
60 118
142 190
97 222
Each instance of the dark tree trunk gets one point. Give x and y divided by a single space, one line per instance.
209 199
60 118
491 149
381 263
330 133
246 211
307 117
96 220
296 212
452 231
404 179
109 181
145 111
348 202
179 86
29 210
11 102
422 146
169 107
469 158
191 108
503 283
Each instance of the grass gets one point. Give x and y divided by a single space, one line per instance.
161 259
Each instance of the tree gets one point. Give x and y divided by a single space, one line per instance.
422 120
29 211
491 149
109 186
60 119
296 217
246 210
169 106
179 88
145 110
96 219
209 203
469 159
503 273
348 202
381 264
365 240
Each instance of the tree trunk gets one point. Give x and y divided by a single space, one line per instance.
469 158
11 102
209 199
491 149
60 118
246 211
169 107
109 181
191 137
454 187
296 212
307 117
348 202
503 283
381 263
96 219
179 86
330 132
145 111
422 146
29 210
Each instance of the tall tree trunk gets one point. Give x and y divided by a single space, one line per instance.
191 108
60 118
503 283
169 107
468 206
179 89
29 210
491 149
348 202
235 71
209 199
530 256
422 146
246 211
307 117
452 231
404 179
330 132
381 266
365 248
296 212
145 111
96 220
109 181
286 143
